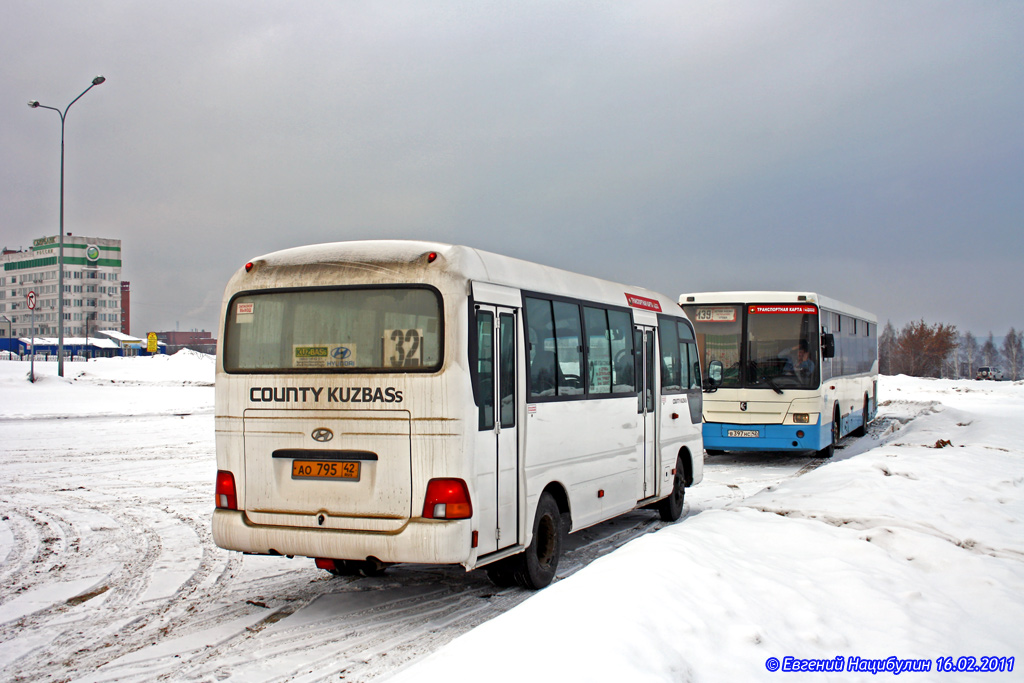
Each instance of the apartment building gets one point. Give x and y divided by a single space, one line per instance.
92 287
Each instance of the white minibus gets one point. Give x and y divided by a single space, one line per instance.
394 401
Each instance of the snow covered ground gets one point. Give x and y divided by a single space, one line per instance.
897 549
893 549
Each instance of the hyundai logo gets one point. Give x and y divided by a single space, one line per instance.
322 434
342 352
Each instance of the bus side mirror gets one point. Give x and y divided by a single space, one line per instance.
715 370
828 346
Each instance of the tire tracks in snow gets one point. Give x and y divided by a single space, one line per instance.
230 616
121 551
110 545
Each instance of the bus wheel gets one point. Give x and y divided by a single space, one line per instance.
537 566
863 429
828 450
671 508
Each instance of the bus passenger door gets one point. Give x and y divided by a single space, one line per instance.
497 442
647 453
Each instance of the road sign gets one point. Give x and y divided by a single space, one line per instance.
31 301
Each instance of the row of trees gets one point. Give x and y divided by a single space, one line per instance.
938 350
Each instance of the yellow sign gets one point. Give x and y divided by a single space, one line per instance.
151 342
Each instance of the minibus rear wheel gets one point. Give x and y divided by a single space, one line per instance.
540 561
671 508
535 567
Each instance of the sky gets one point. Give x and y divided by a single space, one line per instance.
870 151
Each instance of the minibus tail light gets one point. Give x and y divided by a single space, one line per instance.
226 497
248 266
447 499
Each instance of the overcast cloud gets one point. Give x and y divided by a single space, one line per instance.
871 151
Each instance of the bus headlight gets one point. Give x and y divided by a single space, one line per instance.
801 418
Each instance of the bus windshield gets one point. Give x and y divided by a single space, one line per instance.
780 350
782 346
389 329
719 337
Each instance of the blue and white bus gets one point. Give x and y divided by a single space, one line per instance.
787 371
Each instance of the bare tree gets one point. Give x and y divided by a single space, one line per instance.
954 359
920 349
989 352
1013 352
969 344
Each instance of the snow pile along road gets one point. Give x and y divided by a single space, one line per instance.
907 551
150 385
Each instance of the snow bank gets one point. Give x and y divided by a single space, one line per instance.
109 386
905 550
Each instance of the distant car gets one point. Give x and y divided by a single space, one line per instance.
988 372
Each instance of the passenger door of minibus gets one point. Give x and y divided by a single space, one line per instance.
497 451
647 453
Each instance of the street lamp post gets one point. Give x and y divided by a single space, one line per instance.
60 237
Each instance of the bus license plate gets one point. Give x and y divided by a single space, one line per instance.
318 469
744 433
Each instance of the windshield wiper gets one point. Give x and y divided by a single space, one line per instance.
758 377
771 383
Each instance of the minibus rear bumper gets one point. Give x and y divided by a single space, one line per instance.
424 541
